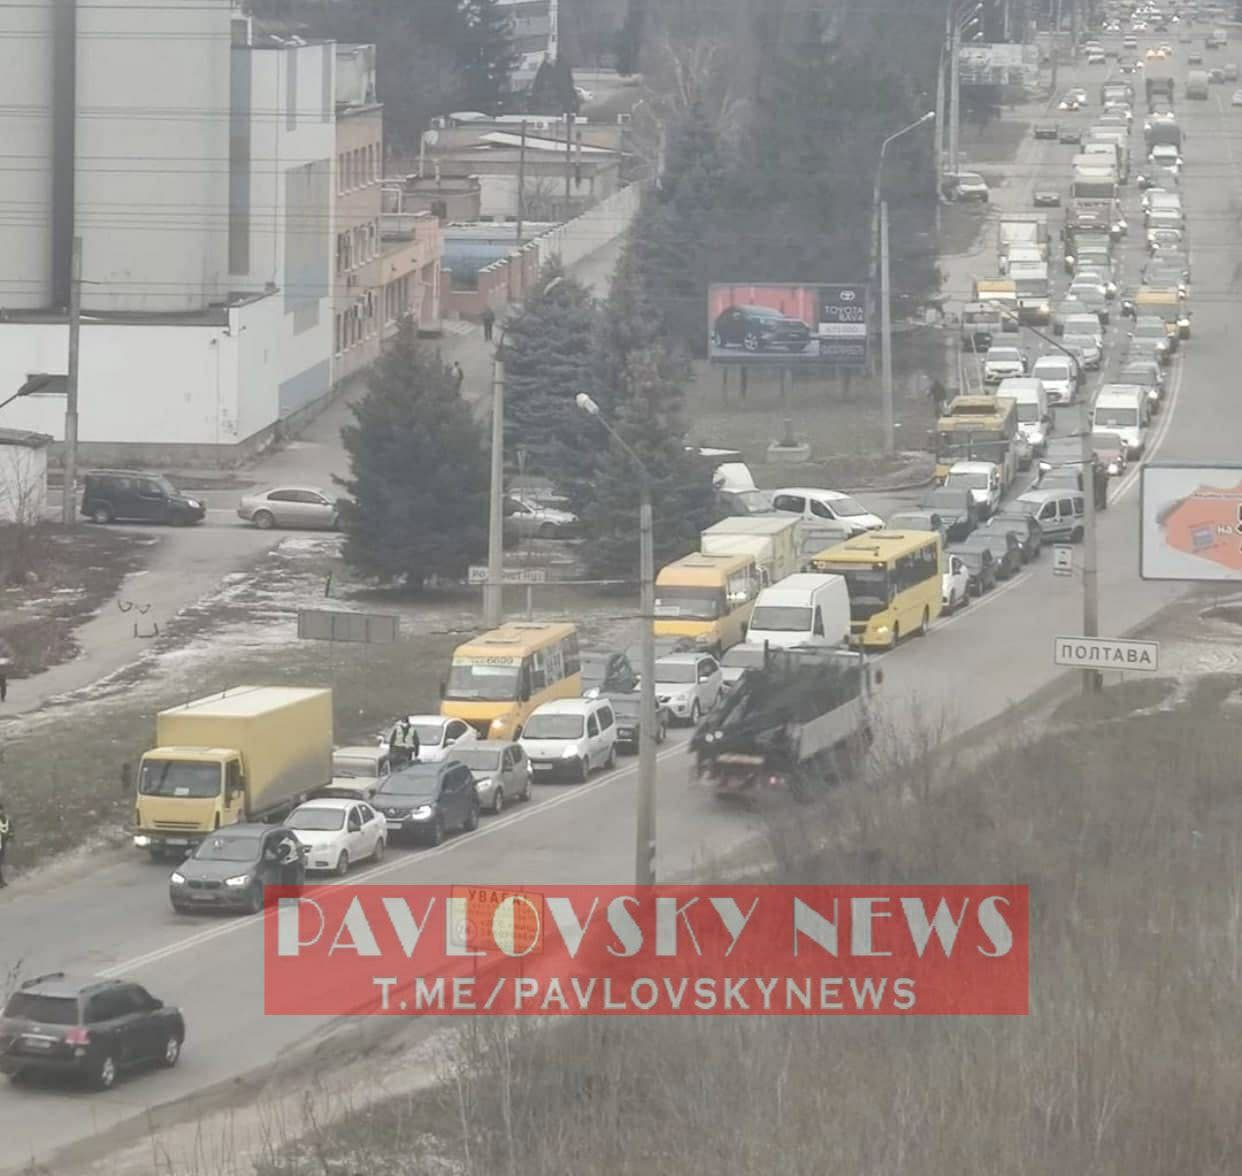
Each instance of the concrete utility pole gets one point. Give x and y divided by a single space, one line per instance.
69 499
645 830
521 192
569 161
955 96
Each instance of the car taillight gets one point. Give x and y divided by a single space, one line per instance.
77 1037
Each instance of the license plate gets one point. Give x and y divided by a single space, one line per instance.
37 1042
199 896
176 841
542 767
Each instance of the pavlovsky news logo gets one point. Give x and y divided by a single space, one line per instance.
661 950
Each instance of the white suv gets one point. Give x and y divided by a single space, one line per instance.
570 736
688 684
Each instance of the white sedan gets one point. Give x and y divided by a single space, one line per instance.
437 736
338 832
955 585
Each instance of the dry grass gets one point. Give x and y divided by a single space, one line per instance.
1127 834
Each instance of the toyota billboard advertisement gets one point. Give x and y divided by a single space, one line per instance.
787 323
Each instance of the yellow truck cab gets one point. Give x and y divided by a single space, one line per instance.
249 753
708 598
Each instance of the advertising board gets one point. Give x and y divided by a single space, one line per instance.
788 324
1190 521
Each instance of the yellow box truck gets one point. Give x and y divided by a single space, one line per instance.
249 753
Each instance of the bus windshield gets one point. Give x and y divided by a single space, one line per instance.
869 588
693 603
483 681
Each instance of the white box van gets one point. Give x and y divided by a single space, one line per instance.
808 608
1034 416
1059 376
1123 409
570 736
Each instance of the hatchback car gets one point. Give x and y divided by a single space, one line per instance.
628 709
291 506
501 772
338 832
89 1028
1024 528
131 496
1110 449
688 685
571 737
980 568
233 866
954 584
1006 548
437 736
525 518
759 328
426 801
1085 348
607 672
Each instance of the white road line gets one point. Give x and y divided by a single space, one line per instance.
573 793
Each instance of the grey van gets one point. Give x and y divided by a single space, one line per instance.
1059 513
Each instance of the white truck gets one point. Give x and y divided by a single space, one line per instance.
807 608
771 539
1018 230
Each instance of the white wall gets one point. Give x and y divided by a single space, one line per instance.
23 483
596 227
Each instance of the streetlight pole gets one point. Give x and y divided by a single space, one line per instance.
879 227
494 586
645 836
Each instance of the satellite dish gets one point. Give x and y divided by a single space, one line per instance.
431 138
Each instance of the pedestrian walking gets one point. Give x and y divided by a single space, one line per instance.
458 375
6 832
4 684
489 321
939 395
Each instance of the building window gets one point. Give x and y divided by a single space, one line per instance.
337 336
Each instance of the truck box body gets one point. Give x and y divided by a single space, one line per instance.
1022 229
1197 84
771 539
1163 132
272 744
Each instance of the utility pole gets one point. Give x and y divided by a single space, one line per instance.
494 589
645 839
1091 681
1056 41
521 192
955 96
69 499
938 149
886 331
569 160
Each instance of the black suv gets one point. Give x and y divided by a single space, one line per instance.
87 1027
131 496
425 801
759 328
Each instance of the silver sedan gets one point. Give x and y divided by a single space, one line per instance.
291 506
501 771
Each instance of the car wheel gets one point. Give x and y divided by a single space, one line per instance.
101 515
717 341
922 630
694 713
1076 535
526 793
254 903
498 801
611 761
472 818
172 1052
547 531
264 520
342 865
750 341
661 732
584 770
436 836
381 844
103 1077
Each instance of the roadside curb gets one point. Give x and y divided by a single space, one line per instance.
891 489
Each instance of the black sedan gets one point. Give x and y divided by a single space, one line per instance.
88 1028
1006 549
231 868
980 565
1021 526
628 710
759 328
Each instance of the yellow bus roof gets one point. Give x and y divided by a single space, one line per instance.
1158 294
698 570
878 547
517 638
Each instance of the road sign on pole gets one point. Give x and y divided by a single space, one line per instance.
365 628
477 574
1097 653
1062 560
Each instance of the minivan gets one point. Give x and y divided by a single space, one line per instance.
1059 513
131 496
570 736
808 608
1059 376
1034 415
1123 409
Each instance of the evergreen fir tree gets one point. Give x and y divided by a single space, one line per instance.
629 322
486 54
650 416
419 475
629 39
553 90
547 353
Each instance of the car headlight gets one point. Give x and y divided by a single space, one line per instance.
703 639
142 841
1114 467
496 724
422 812
570 752
482 785
176 879
238 880
194 503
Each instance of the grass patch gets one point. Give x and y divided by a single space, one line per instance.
1116 702
1127 836
65 576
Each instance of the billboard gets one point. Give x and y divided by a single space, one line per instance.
999 65
787 323
1190 522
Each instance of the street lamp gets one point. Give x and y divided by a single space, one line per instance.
879 218
645 843
494 586
39 382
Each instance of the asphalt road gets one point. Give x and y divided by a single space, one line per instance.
115 918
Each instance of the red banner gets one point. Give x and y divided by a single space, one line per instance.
663 950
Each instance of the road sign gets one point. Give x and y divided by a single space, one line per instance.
364 628
477 574
1062 560
1098 653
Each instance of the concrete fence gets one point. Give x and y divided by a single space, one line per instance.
507 280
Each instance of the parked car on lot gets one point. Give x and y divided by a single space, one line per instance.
87 1027
1046 130
525 518
688 684
425 801
571 736
338 832
131 496
230 869
607 672
759 328
291 506
1046 198
628 709
501 772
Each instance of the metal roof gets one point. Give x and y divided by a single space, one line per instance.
24 437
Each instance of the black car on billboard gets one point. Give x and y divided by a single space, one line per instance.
759 328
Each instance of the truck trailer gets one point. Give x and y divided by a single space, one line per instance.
771 538
248 754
